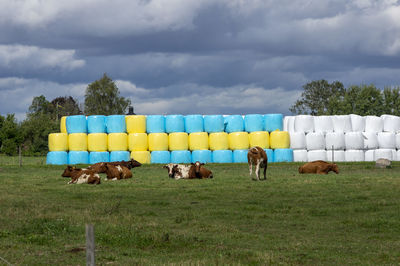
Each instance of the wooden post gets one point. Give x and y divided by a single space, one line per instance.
90 245
19 155
333 155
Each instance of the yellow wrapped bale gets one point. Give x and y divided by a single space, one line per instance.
117 142
178 141
63 125
58 141
218 141
138 142
279 139
259 138
142 157
77 142
198 141
238 140
97 142
158 141
135 123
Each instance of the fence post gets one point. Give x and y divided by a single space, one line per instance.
90 245
333 155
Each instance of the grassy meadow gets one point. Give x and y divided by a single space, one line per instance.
352 218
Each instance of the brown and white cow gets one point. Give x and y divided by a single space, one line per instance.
117 172
318 167
81 176
258 157
198 171
99 167
178 171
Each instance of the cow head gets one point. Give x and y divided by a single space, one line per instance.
333 167
197 166
133 163
68 171
170 168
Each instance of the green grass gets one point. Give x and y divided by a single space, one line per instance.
348 219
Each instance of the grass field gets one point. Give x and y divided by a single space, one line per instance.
348 219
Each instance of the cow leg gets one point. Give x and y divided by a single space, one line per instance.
265 172
251 166
258 170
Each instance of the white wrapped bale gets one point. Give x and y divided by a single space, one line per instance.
370 140
304 123
288 123
300 156
354 140
386 140
341 123
298 140
315 141
338 155
373 124
323 124
394 155
335 139
391 123
354 155
369 156
316 155
357 122
398 141
384 154
398 155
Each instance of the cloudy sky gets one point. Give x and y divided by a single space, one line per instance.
194 56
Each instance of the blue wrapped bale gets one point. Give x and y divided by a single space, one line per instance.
273 122
222 156
181 157
194 123
270 155
117 156
214 123
78 157
203 156
115 124
283 155
174 123
253 122
96 124
155 124
57 157
99 157
163 157
233 123
76 124
240 156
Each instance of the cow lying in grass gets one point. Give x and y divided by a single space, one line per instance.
99 167
318 167
192 171
81 176
198 171
258 157
117 172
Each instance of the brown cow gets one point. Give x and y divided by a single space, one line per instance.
258 157
198 171
81 176
117 172
318 167
99 167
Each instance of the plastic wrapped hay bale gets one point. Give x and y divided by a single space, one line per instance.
369 156
317 155
253 122
273 122
155 124
279 140
214 123
99 157
78 157
387 140
117 142
142 157
391 123
304 123
270 155
234 123
398 141
181 157
370 140
300 156
218 141
77 142
63 125
357 123
138 142
158 141
315 141
163 157
115 124
283 155
194 123
354 155
76 124
203 156
298 140
117 156
135 123
178 141
354 140
373 124
174 123
337 156
288 123
383 154
240 156
259 138
335 140
222 156
57 157
397 155
323 124
238 140
198 141
341 123
97 142
58 141
96 124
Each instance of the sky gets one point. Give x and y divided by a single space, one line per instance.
194 56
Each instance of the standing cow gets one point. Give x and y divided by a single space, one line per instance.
256 156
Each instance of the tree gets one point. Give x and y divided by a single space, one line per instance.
391 97
65 106
364 100
40 105
102 98
10 135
